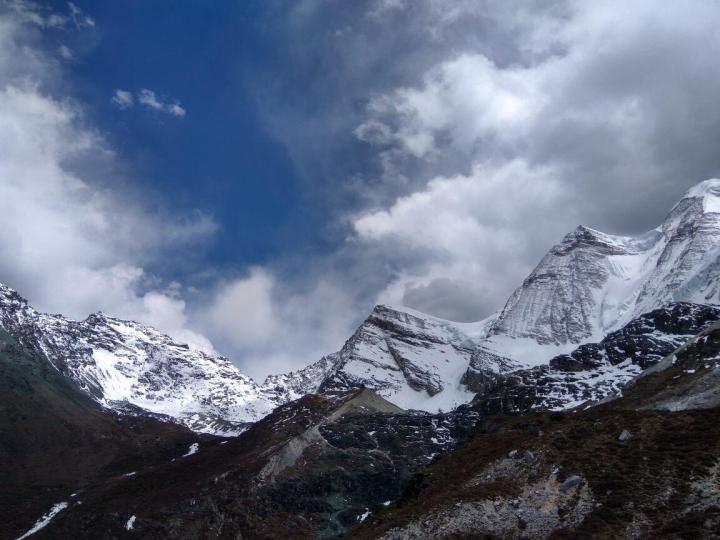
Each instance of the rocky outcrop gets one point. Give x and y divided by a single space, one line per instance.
689 378
594 371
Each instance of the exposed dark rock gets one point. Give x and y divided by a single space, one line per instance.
570 482
593 371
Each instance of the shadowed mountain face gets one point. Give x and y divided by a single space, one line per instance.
593 371
54 440
311 469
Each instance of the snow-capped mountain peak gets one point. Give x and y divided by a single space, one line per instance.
415 360
708 192
592 283
132 367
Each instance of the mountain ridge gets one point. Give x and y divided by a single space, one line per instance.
588 285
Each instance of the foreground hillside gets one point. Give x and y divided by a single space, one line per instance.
55 440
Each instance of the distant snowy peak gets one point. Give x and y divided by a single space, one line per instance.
592 283
586 287
135 369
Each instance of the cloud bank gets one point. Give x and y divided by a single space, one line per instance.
69 241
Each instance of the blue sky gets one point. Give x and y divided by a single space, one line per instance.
219 157
251 177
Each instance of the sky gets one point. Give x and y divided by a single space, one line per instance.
252 177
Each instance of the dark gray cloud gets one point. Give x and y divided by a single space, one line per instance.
467 137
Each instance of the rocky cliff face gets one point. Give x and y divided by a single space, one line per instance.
414 360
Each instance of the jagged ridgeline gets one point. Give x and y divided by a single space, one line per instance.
587 287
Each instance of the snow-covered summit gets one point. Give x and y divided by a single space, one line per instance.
414 360
587 286
708 191
592 283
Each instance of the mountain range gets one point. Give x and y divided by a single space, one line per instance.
177 442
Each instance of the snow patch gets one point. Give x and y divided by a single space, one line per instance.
364 516
45 519
194 447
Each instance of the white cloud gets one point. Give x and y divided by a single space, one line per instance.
149 99
243 312
468 97
66 52
123 99
176 109
272 328
37 13
464 229
70 242
80 19
167 311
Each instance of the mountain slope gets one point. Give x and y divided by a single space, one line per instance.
644 465
311 469
415 360
55 440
